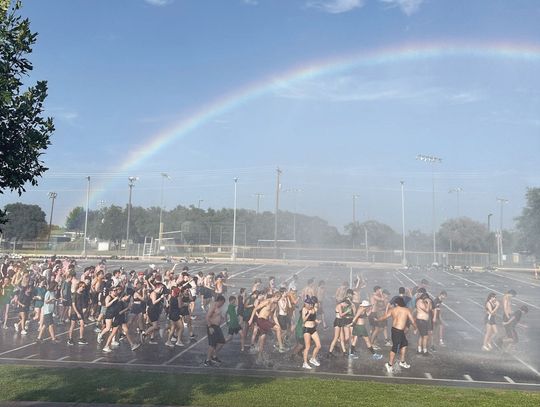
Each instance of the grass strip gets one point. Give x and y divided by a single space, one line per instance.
23 383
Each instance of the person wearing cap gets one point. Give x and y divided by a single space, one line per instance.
359 328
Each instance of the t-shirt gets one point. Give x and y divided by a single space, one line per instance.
233 318
48 308
406 300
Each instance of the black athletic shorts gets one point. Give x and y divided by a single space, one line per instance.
284 321
399 340
423 327
216 337
48 319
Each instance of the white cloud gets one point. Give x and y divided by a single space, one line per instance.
251 2
62 113
407 6
159 3
335 6
351 88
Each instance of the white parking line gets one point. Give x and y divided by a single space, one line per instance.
468 378
490 289
62 358
516 279
132 361
509 380
97 360
428 376
479 331
31 356
245 271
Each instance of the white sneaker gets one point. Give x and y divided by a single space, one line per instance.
180 344
404 365
97 330
99 338
114 344
169 344
314 362
16 325
24 332
389 367
306 366
135 346
106 349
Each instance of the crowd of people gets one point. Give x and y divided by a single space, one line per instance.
160 307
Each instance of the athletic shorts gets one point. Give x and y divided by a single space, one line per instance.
74 317
284 321
338 322
360 330
399 340
153 315
310 331
48 320
184 311
119 320
423 327
265 325
207 293
347 321
234 330
174 317
490 320
216 337
136 309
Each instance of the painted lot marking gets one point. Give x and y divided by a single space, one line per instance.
517 279
509 380
478 330
428 376
245 271
62 358
490 289
31 356
97 360
468 378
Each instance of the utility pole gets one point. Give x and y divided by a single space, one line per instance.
278 187
52 196
457 191
86 216
404 254
354 230
489 240
501 201
130 184
259 196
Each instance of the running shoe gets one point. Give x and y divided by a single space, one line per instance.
169 344
331 355
404 365
152 342
70 342
282 350
376 356
114 344
485 348
352 356
91 318
24 332
97 330
388 367
99 338
376 347
426 354
207 363
106 349
314 362
16 326
387 342
217 360
441 342
135 346
82 341
306 366
180 344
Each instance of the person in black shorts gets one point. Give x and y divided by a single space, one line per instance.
77 314
510 327
216 340
155 307
490 310
176 320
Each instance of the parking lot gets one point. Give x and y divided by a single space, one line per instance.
461 362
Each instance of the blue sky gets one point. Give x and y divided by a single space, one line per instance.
120 72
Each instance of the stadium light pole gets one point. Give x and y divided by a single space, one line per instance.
161 228
86 216
130 184
432 160
404 254
354 196
457 191
199 203
52 197
233 254
501 201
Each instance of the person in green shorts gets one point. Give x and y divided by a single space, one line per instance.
234 323
360 330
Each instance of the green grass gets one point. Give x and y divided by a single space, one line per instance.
135 387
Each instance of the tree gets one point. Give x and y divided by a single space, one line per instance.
75 219
379 235
528 224
24 222
463 234
24 133
113 224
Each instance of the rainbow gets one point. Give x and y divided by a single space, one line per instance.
403 53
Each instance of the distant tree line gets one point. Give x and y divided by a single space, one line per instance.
197 226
